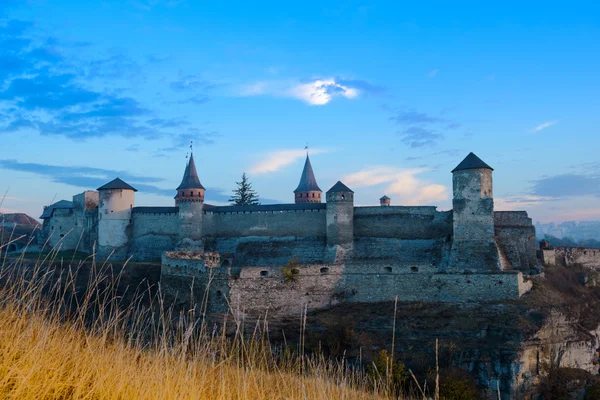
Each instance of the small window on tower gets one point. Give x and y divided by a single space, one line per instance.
313 195
343 197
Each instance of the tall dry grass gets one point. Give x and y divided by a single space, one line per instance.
59 342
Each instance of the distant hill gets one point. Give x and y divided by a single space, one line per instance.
17 218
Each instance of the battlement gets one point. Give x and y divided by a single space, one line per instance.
155 210
395 210
267 208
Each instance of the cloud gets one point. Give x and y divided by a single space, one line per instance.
42 91
543 126
116 66
86 177
279 159
192 83
515 203
199 99
415 117
401 182
363 87
314 92
433 73
181 142
567 185
420 129
416 137
167 123
321 92
255 89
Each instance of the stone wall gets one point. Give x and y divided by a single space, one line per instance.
281 223
154 232
587 257
402 222
392 250
61 231
260 250
515 236
256 290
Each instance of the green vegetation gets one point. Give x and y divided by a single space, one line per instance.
244 195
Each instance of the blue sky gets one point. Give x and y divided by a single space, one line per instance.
389 97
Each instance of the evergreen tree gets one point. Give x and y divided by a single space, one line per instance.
244 195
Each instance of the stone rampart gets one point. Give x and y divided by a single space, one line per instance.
317 286
154 232
570 255
402 222
393 250
261 250
265 222
286 292
515 236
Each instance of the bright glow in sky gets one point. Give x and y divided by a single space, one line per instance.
390 97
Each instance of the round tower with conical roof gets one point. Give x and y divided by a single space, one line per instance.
115 202
190 200
474 245
307 191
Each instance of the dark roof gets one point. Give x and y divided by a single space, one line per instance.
385 198
267 207
117 183
472 162
155 210
190 177
59 204
339 187
308 182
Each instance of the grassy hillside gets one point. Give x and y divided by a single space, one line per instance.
56 343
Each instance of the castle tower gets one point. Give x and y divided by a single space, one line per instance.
307 191
340 216
474 245
116 199
190 199
384 201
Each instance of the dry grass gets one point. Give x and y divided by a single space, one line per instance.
59 344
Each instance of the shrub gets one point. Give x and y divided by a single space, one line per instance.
457 384
394 373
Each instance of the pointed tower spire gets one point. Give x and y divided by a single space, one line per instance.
308 190
190 188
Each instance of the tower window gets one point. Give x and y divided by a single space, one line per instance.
324 270
343 197
313 195
264 273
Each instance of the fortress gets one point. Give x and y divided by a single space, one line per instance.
311 253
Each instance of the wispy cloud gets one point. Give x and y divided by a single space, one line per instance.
44 91
401 182
280 159
545 125
567 185
316 92
420 129
321 92
433 73
516 203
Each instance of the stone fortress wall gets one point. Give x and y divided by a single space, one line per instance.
341 252
571 255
